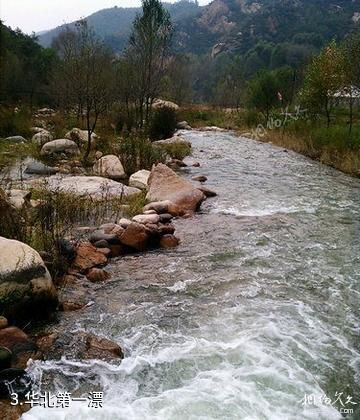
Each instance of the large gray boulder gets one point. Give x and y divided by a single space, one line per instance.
68 147
26 287
42 137
140 179
94 186
110 166
180 194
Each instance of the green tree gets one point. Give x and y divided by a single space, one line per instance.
263 93
324 77
147 54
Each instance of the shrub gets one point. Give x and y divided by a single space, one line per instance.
162 123
176 150
137 152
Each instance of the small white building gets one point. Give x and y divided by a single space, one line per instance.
343 96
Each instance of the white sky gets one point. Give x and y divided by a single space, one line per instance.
39 15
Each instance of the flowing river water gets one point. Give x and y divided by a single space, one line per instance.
256 309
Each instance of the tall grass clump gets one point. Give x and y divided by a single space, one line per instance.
137 152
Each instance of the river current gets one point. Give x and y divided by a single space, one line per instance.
254 316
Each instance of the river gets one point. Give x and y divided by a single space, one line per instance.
253 314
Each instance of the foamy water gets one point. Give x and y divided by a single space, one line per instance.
256 308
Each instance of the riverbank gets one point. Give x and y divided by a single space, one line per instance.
333 146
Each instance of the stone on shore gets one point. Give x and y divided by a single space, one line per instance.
140 179
207 192
200 178
177 140
39 168
83 345
26 287
183 125
42 137
101 348
22 348
94 186
169 241
88 256
109 166
166 185
147 218
58 146
135 236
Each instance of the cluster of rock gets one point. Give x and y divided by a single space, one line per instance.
145 231
70 145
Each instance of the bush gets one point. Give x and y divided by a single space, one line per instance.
162 124
15 122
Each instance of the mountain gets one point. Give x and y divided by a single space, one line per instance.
114 24
236 25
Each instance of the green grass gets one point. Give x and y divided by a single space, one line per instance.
9 152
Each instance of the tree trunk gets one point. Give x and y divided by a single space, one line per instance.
350 113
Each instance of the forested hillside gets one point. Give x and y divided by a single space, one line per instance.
25 66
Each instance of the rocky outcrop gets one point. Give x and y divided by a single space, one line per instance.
181 196
26 287
42 137
95 186
109 166
55 147
80 137
140 179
